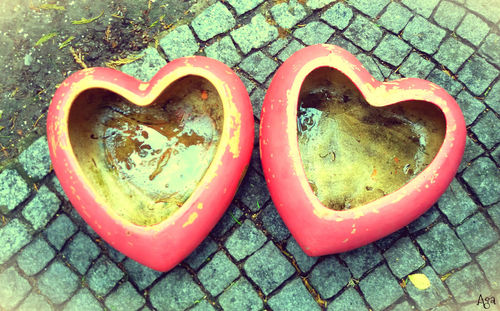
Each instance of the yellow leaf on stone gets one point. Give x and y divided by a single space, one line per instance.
420 281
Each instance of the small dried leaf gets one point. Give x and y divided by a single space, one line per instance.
66 42
86 21
46 38
420 281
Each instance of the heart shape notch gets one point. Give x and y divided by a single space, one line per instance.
324 158
152 166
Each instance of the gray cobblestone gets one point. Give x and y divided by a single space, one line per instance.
218 273
59 231
255 159
203 305
14 288
453 53
147 66
36 159
35 257
379 281
304 261
467 284
439 77
58 283
443 249
240 296
42 208
422 7
288 14
484 7
448 15
314 33
392 50
476 233
430 297
13 236
124 298
425 220
477 74
487 129
345 44
481 182
259 66
114 254
58 187
395 17
456 204
34 302
83 301
494 212
473 29
369 63
275 47
227 221
370 8
141 275
224 51
13 190
361 259
103 276
80 252
329 277
470 106
472 151
338 15
201 253
291 48
243 6
257 99
294 296
249 85
245 240
496 155
179 42
493 98
403 258
416 66
254 35
268 268
424 35
214 20
348 300
488 260
490 49
386 242
182 291
363 32
273 223
318 4
253 191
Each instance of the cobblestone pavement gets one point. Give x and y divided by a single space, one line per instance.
51 260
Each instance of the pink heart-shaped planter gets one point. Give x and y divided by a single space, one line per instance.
152 166
320 230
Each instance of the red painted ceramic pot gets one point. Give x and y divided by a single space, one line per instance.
295 97
152 166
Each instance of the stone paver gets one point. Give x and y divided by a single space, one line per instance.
294 296
218 274
425 220
13 190
314 33
291 48
403 258
379 281
259 66
395 17
240 296
288 14
493 98
42 208
361 259
443 249
473 29
34 302
494 212
363 33
254 35
415 66
484 7
273 223
203 305
467 284
438 76
472 151
182 291
392 50
124 298
490 49
370 8
227 221
243 6
476 233
344 43
449 14
477 74
58 283
141 275
422 7
83 300
318 4
59 231
329 277
456 204
487 129
430 297
80 252
257 99
245 240
35 256
481 183
214 20
103 276
304 261
372 67
453 53
36 159
268 268
389 240
179 42
14 288
471 107
253 193
275 47
147 66
424 35
348 300
13 236
201 253
339 15
488 260
224 51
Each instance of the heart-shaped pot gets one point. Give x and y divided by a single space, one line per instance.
152 166
347 140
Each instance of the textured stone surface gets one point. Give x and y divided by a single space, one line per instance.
58 283
424 35
314 33
471 107
430 297
452 53
13 190
288 14
214 20
218 274
369 63
80 252
476 233
253 192
240 296
227 221
472 151
329 277
473 29
361 259
245 240
389 240
257 99
202 305
494 212
259 66
490 49
363 33
415 66
224 51
338 15
484 7
243 6
379 281
268 268
304 261
318 4
449 14
456 204
14 288
59 231
443 249
477 74
183 291
34 302
179 42
344 43
103 276
370 8
83 301
467 284
13 236
348 300
124 298
42 208
201 253
480 181
294 296
36 159
141 275
278 45
403 258
291 48
487 129
254 35
273 223
425 220
488 260
442 79
493 98
392 50
422 7
395 17
35 256
147 66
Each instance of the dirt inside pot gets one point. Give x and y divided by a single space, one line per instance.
354 153
147 161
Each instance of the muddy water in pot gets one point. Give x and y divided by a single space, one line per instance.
147 161
354 153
